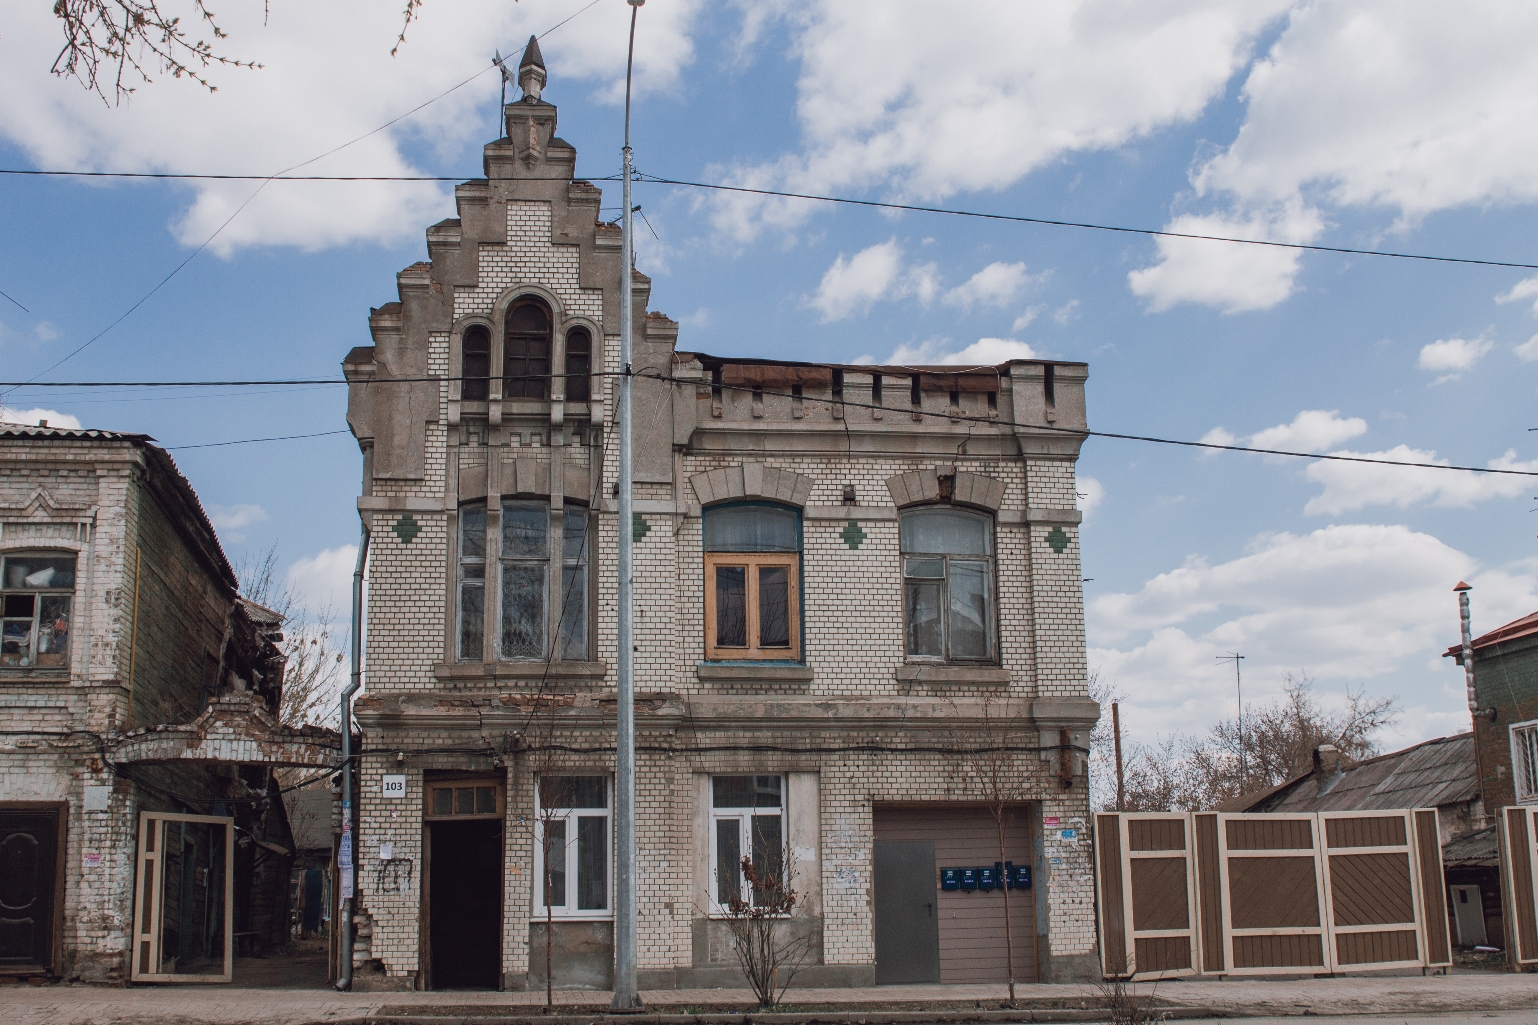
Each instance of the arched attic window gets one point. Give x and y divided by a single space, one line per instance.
476 364
526 350
579 364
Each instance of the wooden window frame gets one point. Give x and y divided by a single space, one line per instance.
38 595
150 871
753 561
469 782
990 576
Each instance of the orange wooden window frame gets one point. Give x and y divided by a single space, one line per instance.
753 561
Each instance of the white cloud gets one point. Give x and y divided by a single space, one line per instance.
32 417
1090 494
898 100
323 582
995 285
1527 352
1452 356
1312 430
1414 106
983 352
1218 436
853 284
1025 319
234 517
1352 604
328 78
1349 486
1066 312
1229 276
1525 289
45 332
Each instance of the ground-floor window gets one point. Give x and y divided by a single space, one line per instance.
747 821
571 835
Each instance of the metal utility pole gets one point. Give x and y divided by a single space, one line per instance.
1244 767
626 996
1121 780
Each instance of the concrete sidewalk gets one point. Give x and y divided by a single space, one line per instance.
219 1005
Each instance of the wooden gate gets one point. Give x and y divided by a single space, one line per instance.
1273 894
1519 880
1148 920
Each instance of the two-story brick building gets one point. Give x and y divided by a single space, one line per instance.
137 696
846 577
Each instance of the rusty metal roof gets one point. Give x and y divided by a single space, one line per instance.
1524 627
1429 775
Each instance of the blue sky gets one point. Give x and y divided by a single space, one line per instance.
1372 125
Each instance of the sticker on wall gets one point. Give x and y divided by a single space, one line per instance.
1069 834
1057 540
407 528
853 535
1050 821
92 859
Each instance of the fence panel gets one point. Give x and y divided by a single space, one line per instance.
1272 887
1147 886
1433 885
1213 940
1372 890
1519 879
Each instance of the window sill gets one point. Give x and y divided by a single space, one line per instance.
754 672
587 916
34 673
927 672
472 672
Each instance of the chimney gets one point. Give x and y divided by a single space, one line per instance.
1326 766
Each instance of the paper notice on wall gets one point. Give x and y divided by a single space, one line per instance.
386 851
1050 821
347 881
344 852
92 859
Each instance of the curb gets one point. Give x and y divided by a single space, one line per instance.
1023 1014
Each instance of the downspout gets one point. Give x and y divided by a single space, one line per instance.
349 812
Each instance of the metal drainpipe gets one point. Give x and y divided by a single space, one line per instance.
344 970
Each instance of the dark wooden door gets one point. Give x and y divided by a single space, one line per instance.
907 928
465 913
28 862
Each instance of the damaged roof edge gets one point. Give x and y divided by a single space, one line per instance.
711 362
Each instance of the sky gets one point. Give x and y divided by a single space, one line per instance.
1402 126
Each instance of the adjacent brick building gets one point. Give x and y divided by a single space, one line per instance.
137 693
852 583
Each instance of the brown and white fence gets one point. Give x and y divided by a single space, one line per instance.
1519 885
1207 893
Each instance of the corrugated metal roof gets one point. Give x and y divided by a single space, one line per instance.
1476 850
1429 775
14 430
1524 627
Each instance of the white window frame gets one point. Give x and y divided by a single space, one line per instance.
744 817
1524 760
568 913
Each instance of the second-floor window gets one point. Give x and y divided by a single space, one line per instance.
752 583
37 597
948 601
579 364
1524 760
520 581
526 350
476 364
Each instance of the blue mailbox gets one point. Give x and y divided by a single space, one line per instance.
1022 877
950 879
987 878
969 879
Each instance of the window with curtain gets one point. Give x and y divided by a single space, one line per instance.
520 579
475 364
752 583
526 350
571 836
747 820
472 582
948 599
579 364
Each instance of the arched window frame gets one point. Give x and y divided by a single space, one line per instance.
533 382
727 640
594 359
457 383
934 578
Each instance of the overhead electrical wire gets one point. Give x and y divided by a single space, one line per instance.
264 182
253 441
844 200
691 382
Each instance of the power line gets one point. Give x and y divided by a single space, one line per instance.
19 306
947 415
178 268
253 441
284 177
1021 219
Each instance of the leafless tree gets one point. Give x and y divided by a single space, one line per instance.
770 950
129 41
988 746
314 674
1276 743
